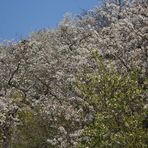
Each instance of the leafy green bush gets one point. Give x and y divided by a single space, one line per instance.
120 108
33 130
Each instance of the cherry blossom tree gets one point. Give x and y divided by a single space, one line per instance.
38 75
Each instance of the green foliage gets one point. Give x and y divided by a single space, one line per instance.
33 130
119 106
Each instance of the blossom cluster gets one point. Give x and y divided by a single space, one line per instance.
40 72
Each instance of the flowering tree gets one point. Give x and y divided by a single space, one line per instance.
37 75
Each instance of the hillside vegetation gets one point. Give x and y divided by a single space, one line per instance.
83 84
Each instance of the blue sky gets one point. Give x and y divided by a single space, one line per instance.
18 18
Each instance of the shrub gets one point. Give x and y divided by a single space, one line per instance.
120 108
